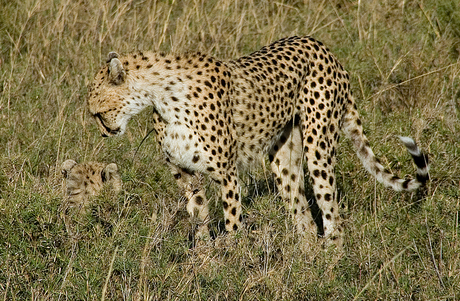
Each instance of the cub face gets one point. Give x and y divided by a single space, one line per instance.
88 179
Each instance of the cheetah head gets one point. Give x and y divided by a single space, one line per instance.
108 97
87 179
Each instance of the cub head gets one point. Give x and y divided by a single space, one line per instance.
87 179
108 97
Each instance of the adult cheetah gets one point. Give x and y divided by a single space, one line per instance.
288 100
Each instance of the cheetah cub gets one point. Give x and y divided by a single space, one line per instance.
84 180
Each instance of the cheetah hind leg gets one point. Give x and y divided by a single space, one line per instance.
286 162
321 163
197 204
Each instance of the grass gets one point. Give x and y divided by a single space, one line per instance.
403 58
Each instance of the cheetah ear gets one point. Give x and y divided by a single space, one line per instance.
67 166
112 55
109 172
116 72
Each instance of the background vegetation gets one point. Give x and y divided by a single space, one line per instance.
403 57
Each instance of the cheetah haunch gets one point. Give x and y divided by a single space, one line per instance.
289 100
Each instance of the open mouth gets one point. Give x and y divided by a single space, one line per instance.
106 131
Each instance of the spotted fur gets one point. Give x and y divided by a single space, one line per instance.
288 100
84 180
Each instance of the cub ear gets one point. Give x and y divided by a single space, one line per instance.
109 172
116 72
67 166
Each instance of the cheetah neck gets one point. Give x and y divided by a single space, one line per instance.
165 81
165 92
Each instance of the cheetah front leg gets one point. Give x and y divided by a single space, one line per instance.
286 162
197 203
190 183
231 199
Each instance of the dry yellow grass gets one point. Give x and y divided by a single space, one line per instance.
403 57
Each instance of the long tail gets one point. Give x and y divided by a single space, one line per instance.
354 130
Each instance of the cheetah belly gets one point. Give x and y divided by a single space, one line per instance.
183 147
254 144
